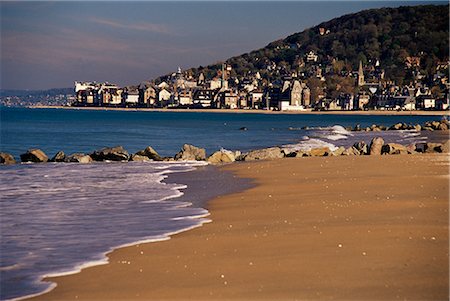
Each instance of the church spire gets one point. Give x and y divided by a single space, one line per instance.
361 81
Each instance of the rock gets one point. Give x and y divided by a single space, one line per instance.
446 147
6 159
397 126
411 148
34 155
139 158
361 147
150 153
434 148
222 156
338 152
394 149
383 128
418 127
264 154
320 152
435 125
59 157
190 152
357 128
168 159
427 128
421 147
376 145
351 151
79 158
443 127
117 153
241 157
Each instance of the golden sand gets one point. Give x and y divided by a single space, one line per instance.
345 228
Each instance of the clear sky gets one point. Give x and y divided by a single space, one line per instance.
51 44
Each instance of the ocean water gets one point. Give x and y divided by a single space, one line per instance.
56 218
73 131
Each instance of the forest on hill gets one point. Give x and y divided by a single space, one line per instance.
390 36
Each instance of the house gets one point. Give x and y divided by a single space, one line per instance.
185 97
255 99
426 102
228 99
204 97
147 96
131 97
116 97
362 101
311 57
164 97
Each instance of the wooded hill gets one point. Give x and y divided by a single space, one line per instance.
389 35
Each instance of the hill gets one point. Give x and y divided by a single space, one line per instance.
391 36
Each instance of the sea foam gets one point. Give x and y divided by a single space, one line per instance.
59 218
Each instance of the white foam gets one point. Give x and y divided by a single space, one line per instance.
307 145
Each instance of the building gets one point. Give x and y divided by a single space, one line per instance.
361 81
164 97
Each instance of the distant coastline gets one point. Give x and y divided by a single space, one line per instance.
242 111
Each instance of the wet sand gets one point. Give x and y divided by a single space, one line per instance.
345 228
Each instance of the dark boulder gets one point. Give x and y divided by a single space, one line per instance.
376 145
59 157
265 154
139 158
150 153
6 158
78 158
394 149
117 153
190 152
361 147
34 155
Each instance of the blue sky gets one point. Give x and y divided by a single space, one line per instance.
51 44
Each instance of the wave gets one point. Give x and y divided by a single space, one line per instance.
73 201
308 144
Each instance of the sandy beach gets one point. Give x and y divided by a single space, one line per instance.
242 111
345 228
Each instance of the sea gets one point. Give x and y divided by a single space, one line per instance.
58 218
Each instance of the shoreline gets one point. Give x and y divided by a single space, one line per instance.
193 194
242 111
227 214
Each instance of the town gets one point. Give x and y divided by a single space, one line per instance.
315 84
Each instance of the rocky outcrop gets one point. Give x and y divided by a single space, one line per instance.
190 152
361 147
442 125
428 147
78 158
394 149
117 153
34 155
6 159
351 151
265 154
139 158
446 147
222 156
58 157
338 152
150 153
376 146
320 152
